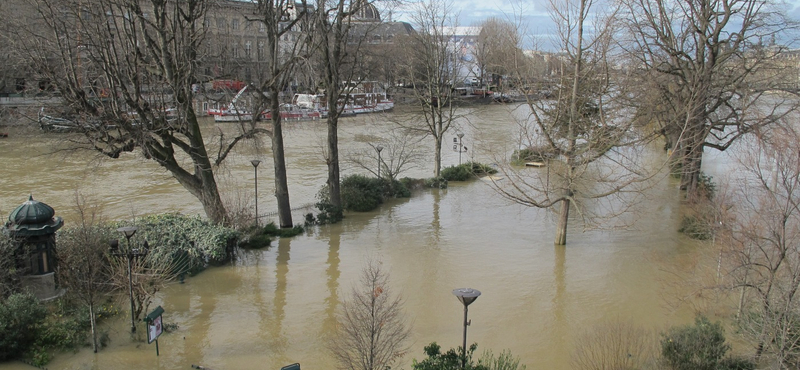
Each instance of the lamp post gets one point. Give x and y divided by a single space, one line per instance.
255 164
379 149
458 146
130 254
466 296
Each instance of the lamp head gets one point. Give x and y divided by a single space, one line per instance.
255 162
128 231
466 295
379 148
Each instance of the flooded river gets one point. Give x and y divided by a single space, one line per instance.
275 306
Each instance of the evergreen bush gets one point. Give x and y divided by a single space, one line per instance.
21 317
466 171
361 193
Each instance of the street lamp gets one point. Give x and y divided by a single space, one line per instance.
458 146
466 296
255 164
130 254
379 149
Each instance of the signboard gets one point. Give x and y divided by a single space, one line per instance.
154 329
154 325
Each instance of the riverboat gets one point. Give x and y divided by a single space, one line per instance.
364 97
233 113
56 124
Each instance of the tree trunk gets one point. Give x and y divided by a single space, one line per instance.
334 189
279 159
563 218
202 183
691 162
437 169
92 322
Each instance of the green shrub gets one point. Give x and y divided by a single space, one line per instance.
397 189
466 171
695 228
531 154
413 184
450 360
256 237
457 173
21 316
699 347
361 193
436 182
273 230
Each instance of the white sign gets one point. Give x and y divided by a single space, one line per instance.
154 329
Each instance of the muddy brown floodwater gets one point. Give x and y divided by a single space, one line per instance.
275 306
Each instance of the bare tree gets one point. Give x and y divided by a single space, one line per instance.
582 137
83 266
149 275
432 68
125 70
339 48
497 51
761 235
287 26
399 152
707 76
372 331
615 345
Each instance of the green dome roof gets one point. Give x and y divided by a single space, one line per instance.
31 212
34 218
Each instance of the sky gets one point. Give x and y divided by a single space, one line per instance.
532 13
534 18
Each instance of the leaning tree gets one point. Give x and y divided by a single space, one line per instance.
126 71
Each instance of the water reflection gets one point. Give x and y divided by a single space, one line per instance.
333 273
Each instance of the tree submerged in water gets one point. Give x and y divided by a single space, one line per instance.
371 331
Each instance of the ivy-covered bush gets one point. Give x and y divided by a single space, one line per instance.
21 316
189 241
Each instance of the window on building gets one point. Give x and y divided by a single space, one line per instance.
261 27
220 23
247 46
260 50
235 24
